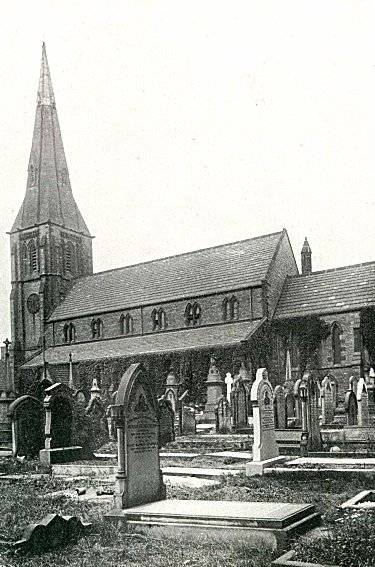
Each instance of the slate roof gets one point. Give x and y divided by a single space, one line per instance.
219 269
330 291
153 343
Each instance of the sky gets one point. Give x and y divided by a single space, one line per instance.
188 124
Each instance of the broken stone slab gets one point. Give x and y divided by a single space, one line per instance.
51 532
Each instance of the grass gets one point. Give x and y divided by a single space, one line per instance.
30 500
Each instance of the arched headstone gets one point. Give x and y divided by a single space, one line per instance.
139 478
362 400
265 446
223 416
27 415
351 408
327 401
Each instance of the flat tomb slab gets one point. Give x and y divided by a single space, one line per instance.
265 514
245 455
198 471
270 524
337 461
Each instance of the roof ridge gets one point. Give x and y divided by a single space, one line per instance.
338 268
185 253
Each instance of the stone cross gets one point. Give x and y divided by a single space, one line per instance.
228 382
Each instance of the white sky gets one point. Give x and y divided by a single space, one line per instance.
188 124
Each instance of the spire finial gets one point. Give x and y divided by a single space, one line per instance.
45 90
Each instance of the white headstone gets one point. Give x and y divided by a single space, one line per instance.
265 446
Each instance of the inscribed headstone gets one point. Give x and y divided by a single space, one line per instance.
362 400
223 416
139 478
265 446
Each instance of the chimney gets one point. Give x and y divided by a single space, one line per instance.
306 258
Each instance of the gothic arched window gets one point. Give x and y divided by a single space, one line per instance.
230 308
24 263
159 319
96 328
69 332
336 343
192 313
126 324
33 256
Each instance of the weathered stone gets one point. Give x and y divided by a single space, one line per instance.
27 415
223 416
265 446
279 408
139 478
362 400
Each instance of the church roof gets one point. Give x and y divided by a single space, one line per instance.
49 196
153 343
212 270
331 291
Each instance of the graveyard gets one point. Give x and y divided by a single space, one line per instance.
272 476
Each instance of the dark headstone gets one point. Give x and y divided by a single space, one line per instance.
223 416
27 414
166 422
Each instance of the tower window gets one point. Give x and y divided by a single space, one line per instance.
193 312
159 319
336 344
96 328
33 257
69 332
69 258
126 324
230 308
24 265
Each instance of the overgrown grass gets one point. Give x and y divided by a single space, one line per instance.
27 501
349 543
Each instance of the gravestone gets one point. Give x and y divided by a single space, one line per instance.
351 408
27 415
139 478
265 447
313 427
188 424
279 407
58 433
166 422
239 405
327 401
223 416
297 402
214 384
170 396
362 400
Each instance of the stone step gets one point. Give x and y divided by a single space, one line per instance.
199 472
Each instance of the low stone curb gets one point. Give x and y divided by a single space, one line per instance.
286 560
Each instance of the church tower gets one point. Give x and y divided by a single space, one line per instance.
50 242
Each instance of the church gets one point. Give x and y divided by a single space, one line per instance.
235 306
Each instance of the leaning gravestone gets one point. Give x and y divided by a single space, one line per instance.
265 449
139 478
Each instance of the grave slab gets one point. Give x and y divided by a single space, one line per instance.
363 500
257 467
240 455
198 472
334 462
190 481
179 455
262 523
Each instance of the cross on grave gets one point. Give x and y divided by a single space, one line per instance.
228 382
7 343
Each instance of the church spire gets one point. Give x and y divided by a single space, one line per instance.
49 197
45 90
